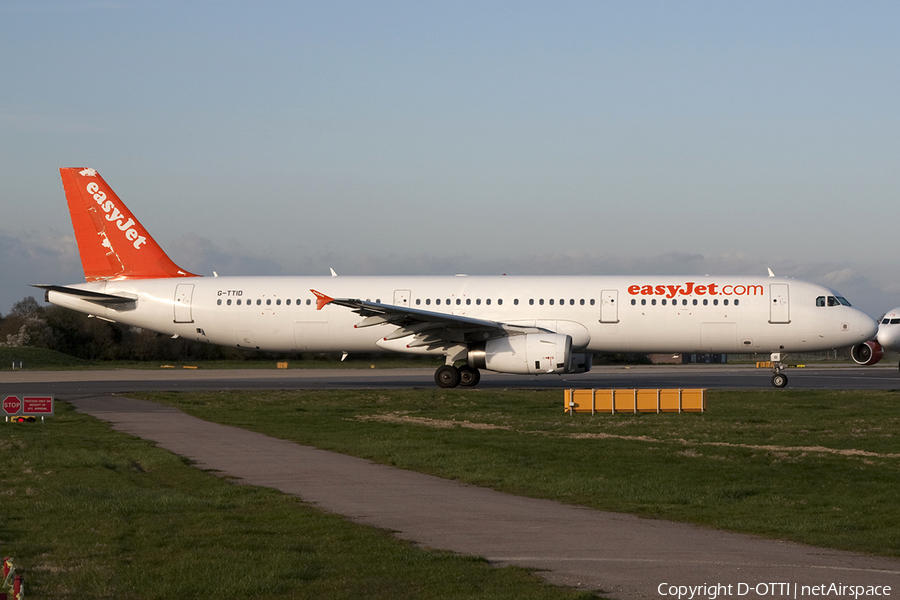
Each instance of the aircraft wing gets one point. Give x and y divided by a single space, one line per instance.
431 329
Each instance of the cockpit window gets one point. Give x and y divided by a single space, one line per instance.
885 321
895 321
831 301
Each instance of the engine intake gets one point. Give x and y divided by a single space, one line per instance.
867 353
529 354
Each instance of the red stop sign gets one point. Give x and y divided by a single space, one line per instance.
11 405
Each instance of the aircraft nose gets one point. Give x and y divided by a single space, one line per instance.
889 336
868 326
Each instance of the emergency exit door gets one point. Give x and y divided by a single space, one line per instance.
609 306
779 303
183 293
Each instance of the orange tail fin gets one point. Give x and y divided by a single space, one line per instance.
111 241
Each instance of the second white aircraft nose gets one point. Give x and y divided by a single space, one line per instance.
889 336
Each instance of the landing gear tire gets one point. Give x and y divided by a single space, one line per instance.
447 376
779 380
469 376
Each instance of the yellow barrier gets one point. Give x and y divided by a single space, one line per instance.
635 401
282 365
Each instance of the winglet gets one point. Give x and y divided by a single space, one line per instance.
321 299
111 241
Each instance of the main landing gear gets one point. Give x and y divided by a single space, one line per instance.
779 379
448 376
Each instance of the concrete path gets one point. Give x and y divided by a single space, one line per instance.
618 555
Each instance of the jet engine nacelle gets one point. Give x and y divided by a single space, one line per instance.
528 354
867 353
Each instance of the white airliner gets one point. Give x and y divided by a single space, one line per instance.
524 325
888 337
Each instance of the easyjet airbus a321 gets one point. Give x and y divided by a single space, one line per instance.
525 325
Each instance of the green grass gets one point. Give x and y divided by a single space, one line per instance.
38 358
88 512
818 467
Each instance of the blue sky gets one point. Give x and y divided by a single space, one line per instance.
481 137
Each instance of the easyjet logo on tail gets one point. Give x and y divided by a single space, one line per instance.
690 288
113 215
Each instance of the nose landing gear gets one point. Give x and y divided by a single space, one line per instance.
779 379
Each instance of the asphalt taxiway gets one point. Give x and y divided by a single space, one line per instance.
657 376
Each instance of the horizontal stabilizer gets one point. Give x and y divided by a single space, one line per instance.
95 297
